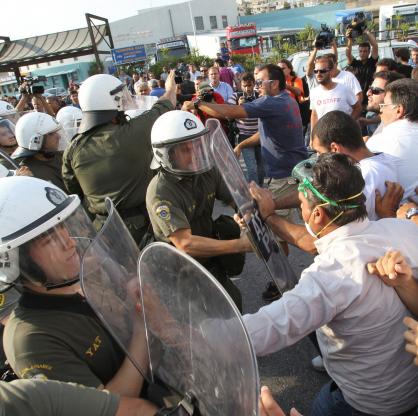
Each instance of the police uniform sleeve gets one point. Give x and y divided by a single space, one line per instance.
53 398
166 212
42 356
68 175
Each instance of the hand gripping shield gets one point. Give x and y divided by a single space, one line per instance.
261 236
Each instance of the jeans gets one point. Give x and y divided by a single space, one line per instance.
253 163
330 402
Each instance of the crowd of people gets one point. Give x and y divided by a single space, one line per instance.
335 149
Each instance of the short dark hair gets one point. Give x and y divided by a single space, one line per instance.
414 74
389 62
220 62
414 50
328 59
388 76
403 53
405 93
339 177
275 74
187 76
161 83
364 45
247 76
331 56
338 127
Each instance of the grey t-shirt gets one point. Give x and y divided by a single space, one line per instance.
53 398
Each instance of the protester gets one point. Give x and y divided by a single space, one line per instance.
219 86
225 74
247 127
365 66
337 297
399 114
403 56
329 95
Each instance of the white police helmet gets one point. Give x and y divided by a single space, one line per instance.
101 97
42 233
70 118
30 133
180 143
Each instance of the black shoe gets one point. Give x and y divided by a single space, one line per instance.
271 293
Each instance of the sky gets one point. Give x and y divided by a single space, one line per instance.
30 18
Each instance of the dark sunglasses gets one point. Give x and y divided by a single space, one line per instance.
376 90
259 82
321 71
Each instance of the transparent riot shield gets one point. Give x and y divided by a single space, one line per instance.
265 245
7 165
199 347
142 103
110 284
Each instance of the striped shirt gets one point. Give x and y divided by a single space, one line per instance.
246 126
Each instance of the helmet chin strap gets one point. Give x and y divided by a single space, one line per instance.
48 154
50 286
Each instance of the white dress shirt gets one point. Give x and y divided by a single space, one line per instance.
358 318
400 139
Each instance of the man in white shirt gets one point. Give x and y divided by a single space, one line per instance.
221 87
357 317
329 95
338 132
399 135
194 73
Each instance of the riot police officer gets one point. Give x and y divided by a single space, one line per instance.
111 154
38 137
180 198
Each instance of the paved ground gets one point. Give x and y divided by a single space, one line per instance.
288 373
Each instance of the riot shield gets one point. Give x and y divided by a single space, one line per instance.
110 285
142 103
7 165
199 347
265 245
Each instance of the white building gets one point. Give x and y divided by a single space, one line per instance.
151 25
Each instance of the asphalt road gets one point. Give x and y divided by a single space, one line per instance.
288 373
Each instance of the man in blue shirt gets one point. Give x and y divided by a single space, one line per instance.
279 133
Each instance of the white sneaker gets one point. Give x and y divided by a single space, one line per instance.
318 364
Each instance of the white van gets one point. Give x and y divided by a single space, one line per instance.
386 50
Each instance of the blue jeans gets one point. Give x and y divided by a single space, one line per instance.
254 164
330 402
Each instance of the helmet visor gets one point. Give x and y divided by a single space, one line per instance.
53 258
7 135
123 98
189 156
69 130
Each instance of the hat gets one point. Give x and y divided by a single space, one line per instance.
204 87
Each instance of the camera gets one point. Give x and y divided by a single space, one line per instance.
324 37
247 98
31 88
207 96
357 26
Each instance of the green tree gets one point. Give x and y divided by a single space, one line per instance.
248 11
286 5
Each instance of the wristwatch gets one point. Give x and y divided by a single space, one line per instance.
196 103
411 213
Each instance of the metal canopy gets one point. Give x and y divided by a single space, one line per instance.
54 46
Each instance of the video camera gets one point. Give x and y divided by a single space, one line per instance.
324 37
207 96
247 98
357 26
31 88
178 79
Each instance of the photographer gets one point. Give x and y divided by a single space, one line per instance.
33 94
247 127
365 66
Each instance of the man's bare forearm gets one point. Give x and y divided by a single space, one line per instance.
409 295
288 201
252 141
294 234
